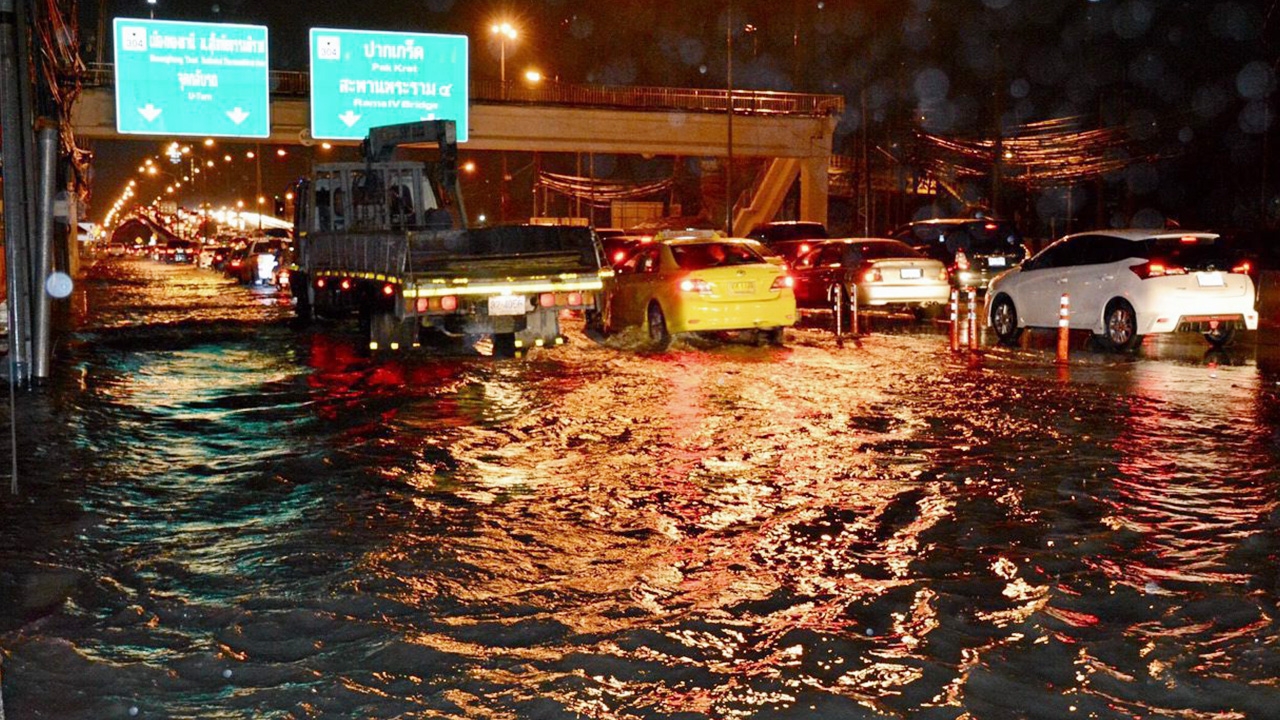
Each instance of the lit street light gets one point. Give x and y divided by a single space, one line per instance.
505 32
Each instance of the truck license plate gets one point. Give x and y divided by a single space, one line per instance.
507 305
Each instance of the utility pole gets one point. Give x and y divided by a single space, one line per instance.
728 166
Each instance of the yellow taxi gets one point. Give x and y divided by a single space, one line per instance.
700 281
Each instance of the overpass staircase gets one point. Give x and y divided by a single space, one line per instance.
766 195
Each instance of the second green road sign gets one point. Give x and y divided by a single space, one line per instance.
362 79
191 78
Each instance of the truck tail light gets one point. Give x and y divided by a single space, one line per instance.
575 298
449 302
547 300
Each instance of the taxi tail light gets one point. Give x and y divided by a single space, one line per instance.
449 302
782 282
695 285
1155 268
872 275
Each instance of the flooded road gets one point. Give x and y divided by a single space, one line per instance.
221 515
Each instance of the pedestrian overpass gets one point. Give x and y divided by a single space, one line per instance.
791 131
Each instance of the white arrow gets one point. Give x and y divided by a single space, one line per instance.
237 115
349 117
150 112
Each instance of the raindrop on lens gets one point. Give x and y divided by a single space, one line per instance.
226 673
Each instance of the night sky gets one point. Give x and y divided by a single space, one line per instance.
1191 83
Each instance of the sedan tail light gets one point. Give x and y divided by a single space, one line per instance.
872 275
1156 268
942 274
1242 269
962 260
783 282
702 287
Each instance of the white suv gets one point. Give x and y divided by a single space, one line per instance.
1124 284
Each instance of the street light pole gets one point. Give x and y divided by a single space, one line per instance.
504 31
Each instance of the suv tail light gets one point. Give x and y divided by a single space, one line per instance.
1156 268
782 282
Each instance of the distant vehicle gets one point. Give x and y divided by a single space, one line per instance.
790 238
891 274
700 282
973 249
1124 284
117 249
177 251
618 248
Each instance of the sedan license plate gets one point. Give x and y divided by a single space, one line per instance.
995 261
507 305
1210 279
911 273
744 288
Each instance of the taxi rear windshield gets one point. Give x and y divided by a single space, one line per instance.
707 255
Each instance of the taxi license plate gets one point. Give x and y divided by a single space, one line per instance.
507 305
1210 279
744 287
995 262
911 273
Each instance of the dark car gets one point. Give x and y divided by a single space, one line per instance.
790 238
179 251
973 249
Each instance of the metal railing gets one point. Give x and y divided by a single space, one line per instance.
294 83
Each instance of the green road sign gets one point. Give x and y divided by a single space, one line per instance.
362 79
191 78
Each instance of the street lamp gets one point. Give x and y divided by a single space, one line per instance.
152 3
504 31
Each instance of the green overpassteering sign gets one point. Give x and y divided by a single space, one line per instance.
363 79
191 78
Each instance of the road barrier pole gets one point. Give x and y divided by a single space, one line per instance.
853 312
973 319
837 301
955 320
1064 321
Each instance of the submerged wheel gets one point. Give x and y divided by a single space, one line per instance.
1220 336
776 337
1120 326
658 333
504 345
1004 321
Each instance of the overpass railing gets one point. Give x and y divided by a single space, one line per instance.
293 83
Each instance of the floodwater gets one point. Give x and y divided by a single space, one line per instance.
220 515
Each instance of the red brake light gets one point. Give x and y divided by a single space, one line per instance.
388 289
1190 239
235 263
942 274
990 226
783 282
575 298
346 283
1243 268
804 248
319 282
547 299
423 305
1155 268
619 256
872 275
962 260
449 302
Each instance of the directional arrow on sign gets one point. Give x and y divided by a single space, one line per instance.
150 112
349 117
237 115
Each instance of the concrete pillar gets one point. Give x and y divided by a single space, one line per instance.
813 188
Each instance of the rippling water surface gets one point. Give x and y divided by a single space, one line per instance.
223 516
